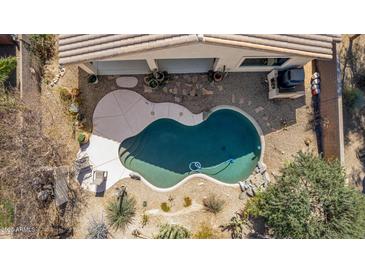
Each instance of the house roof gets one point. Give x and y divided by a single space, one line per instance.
77 48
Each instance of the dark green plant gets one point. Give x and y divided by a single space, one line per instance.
168 231
213 204
350 97
43 47
81 138
165 207
7 66
97 229
311 200
121 213
6 213
236 225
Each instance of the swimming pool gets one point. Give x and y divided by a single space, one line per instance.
226 147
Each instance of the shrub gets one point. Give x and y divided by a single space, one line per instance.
187 201
120 213
311 200
7 66
43 46
205 232
236 225
350 97
6 213
145 219
168 231
65 94
165 207
213 204
97 230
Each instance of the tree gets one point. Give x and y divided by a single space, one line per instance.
311 200
120 213
7 66
168 231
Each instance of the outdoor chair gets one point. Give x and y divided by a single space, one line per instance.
82 164
99 177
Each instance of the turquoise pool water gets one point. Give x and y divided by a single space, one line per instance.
226 146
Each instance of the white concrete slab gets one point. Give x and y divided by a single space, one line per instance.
101 150
107 106
115 128
161 110
139 116
116 172
126 99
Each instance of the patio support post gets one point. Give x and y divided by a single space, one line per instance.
152 64
88 67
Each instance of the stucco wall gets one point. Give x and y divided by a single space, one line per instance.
231 57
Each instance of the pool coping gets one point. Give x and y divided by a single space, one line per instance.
126 173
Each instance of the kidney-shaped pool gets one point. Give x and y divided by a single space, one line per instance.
226 146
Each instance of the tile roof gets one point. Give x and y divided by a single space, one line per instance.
76 48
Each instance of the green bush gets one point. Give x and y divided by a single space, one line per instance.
205 232
7 66
6 213
43 46
65 95
121 213
81 137
350 97
168 231
213 204
187 201
165 207
311 200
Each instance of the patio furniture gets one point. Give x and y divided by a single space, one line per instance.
82 164
275 80
99 177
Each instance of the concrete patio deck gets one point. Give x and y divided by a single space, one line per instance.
119 115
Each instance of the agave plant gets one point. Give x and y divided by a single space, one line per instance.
213 204
168 231
121 213
97 229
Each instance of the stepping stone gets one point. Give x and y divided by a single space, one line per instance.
127 82
207 92
258 109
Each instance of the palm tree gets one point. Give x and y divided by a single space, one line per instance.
120 213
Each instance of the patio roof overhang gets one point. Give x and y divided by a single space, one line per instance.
80 48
